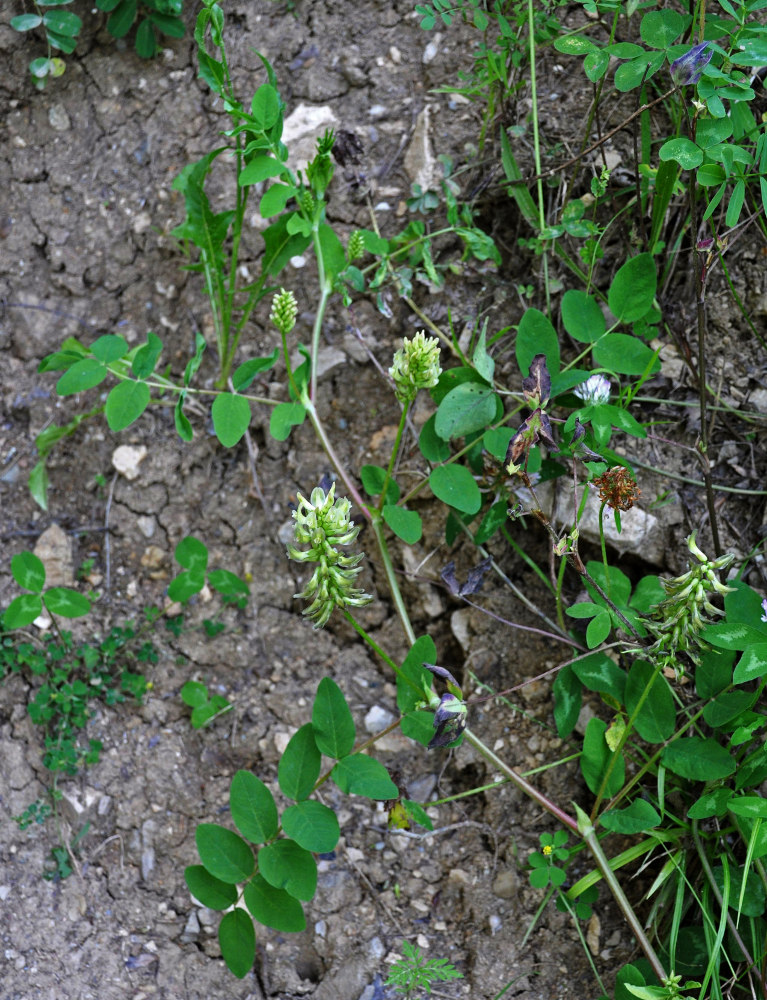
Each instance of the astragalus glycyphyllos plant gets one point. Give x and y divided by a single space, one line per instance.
674 771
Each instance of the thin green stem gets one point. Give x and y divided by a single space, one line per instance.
588 833
394 454
326 288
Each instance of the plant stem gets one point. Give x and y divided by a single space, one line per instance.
589 835
395 452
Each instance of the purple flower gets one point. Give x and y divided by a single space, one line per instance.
689 68
764 609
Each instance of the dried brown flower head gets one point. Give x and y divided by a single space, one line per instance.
617 488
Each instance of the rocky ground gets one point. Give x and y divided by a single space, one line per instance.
86 208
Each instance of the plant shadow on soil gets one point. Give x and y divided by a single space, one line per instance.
89 164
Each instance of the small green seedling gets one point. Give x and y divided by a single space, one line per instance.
206 707
415 972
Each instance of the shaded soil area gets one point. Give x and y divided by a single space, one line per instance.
86 209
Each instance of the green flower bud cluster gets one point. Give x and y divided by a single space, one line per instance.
356 246
323 523
306 200
679 619
284 311
416 366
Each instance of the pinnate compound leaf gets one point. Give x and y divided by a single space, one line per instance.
455 486
598 628
253 809
22 611
683 151
26 22
82 375
373 478
245 373
188 583
406 524
229 585
418 726
732 635
299 765
661 28
753 895
192 554
66 602
285 416
287 866
656 719
414 676
194 694
625 355
432 447
698 758
110 347
312 825
231 417
223 853
238 942
598 672
145 358
273 907
359 774
752 664
125 404
28 570
568 696
633 289
639 816
122 18
582 317
713 803
209 890
597 756
536 335
332 721
469 407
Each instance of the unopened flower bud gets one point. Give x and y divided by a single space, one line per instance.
356 246
416 366
284 311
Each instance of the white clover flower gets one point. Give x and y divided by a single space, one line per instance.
764 609
596 389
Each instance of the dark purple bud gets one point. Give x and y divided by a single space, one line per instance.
449 721
442 672
537 385
688 69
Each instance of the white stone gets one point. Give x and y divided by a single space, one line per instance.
422 166
378 718
127 458
301 130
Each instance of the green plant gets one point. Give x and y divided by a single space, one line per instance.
206 707
415 971
62 27
674 760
